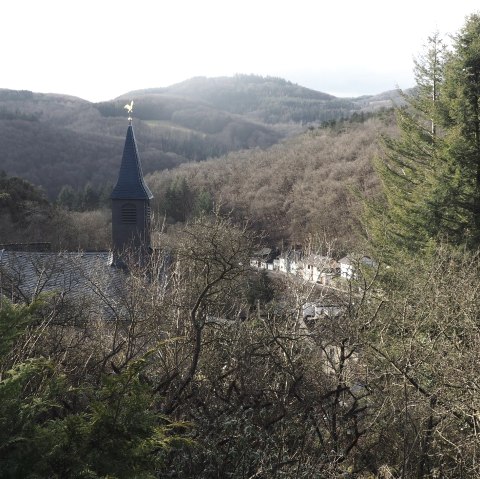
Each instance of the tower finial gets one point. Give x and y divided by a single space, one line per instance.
129 108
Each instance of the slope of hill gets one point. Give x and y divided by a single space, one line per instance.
55 140
295 190
267 99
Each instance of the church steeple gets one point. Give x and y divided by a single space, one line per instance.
130 204
130 183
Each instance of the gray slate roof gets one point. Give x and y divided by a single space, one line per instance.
130 184
86 277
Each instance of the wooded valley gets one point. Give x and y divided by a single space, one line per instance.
55 141
189 362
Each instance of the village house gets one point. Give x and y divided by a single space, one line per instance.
313 268
288 261
348 265
263 259
319 269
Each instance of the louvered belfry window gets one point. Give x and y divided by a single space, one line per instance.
129 214
148 215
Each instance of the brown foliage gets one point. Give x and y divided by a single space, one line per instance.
293 190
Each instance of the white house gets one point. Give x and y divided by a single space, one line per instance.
319 269
288 262
263 259
349 263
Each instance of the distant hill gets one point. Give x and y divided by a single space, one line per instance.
55 140
267 99
295 191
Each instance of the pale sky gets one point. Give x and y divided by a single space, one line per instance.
100 49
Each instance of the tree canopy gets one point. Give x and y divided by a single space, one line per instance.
430 173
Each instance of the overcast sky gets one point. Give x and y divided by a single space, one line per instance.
99 49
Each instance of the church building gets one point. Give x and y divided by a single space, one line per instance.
131 197
26 273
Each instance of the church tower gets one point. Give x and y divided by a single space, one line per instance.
130 204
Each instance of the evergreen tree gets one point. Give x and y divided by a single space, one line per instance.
52 426
67 198
203 203
259 289
178 200
458 186
402 219
431 173
104 195
90 198
429 75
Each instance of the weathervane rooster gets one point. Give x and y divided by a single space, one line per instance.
129 108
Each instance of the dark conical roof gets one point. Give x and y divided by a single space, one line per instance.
130 184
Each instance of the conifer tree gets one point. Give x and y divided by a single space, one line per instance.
67 198
458 178
402 219
431 172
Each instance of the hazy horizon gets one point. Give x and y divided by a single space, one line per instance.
336 91
100 50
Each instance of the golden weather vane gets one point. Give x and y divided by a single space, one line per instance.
129 108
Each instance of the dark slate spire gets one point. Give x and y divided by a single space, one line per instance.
130 207
130 184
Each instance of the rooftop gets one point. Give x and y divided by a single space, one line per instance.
130 184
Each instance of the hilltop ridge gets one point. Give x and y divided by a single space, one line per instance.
54 140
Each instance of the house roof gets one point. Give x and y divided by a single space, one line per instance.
80 276
292 255
320 261
350 260
345 260
130 184
263 253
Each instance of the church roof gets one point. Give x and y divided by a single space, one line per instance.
81 276
89 279
130 184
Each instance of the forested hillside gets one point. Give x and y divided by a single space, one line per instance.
269 99
56 140
208 367
26 216
305 186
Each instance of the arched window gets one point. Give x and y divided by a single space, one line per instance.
129 214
